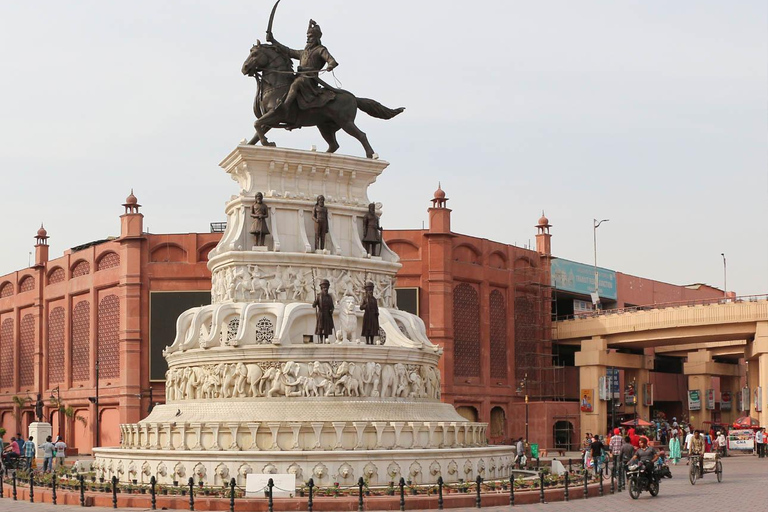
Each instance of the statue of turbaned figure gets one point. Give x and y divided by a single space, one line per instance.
288 99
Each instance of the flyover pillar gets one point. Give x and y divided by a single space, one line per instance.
593 359
757 366
701 370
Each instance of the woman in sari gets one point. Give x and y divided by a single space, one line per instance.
674 448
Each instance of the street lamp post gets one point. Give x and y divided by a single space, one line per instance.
524 388
595 225
95 401
151 398
725 277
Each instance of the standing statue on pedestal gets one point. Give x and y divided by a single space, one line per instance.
320 216
371 230
39 407
324 305
260 214
291 100
370 307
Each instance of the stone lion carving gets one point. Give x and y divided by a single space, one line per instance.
414 470
452 467
146 470
434 468
393 470
346 471
370 470
162 469
320 470
269 469
179 470
295 469
222 471
467 468
347 328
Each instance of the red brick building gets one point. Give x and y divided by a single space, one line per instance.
489 304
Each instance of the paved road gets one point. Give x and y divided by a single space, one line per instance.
744 487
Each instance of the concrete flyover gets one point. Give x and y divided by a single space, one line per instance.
701 331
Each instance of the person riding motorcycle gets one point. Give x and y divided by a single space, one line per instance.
647 456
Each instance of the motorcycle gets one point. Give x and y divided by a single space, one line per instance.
641 476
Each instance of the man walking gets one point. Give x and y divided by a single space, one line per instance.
29 451
520 450
759 435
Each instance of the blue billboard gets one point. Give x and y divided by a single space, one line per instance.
579 278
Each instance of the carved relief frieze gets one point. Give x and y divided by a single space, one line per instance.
302 379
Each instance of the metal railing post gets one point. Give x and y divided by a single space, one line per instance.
191 484
232 495
114 492
613 477
81 482
586 482
541 487
13 482
311 486
478 501
53 488
511 490
31 486
402 493
360 485
153 498
270 503
440 493
566 493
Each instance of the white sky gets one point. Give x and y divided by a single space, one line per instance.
653 114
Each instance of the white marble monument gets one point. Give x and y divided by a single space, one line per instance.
250 390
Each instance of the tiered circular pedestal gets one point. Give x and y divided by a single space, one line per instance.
250 389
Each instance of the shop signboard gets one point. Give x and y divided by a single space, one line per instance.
613 377
578 278
726 401
694 400
758 399
741 440
710 400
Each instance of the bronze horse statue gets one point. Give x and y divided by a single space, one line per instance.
274 74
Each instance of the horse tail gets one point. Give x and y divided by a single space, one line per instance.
375 109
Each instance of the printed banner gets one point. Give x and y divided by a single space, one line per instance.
602 389
745 398
648 394
758 399
694 400
726 401
741 440
710 400
587 400
613 377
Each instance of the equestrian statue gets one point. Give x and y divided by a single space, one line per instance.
288 99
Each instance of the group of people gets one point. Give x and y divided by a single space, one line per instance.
19 448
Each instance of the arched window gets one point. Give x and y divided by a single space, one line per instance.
498 335
81 268
466 331
56 346
56 275
467 412
108 337
81 342
498 422
27 284
6 290
109 260
27 351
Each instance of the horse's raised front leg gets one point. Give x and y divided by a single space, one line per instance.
354 131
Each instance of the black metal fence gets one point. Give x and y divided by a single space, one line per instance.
309 491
